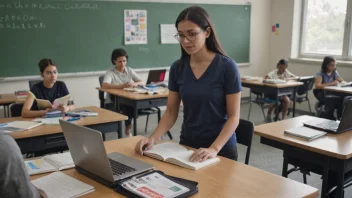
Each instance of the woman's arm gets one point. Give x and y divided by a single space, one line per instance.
320 85
233 111
167 121
26 110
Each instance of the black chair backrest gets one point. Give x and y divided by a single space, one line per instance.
33 82
244 134
101 94
308 83
16 109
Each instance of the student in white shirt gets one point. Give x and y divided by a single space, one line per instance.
121 77
282 73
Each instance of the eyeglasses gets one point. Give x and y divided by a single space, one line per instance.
48 73
191 36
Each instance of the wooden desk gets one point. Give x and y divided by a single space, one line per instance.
288 88
339 90
224 179
137 101
332 152
50 136
6 100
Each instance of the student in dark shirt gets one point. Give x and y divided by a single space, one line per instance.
208 83
48 89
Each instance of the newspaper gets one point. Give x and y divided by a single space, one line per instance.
154 186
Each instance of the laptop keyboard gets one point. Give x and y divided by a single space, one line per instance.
119 169
333 125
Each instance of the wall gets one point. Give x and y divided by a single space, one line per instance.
83 88
285 45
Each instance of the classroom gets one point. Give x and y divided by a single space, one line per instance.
284 86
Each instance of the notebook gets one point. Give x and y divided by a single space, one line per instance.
345 84
274 81
44 104
305 133
178 155
59 185
50 163
18 126
82 113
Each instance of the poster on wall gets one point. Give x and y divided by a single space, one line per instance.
167 34
135 27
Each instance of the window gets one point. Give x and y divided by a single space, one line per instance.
326 28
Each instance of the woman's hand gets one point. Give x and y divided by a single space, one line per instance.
63 108
144 144
203 154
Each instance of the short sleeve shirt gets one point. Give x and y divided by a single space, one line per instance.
274 75
204 99
41 92
328 78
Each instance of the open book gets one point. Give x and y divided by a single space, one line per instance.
43 104
274 81
18 126
305 133
345 84
59 185
50 163
178 155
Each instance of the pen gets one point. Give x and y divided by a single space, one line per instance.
73 119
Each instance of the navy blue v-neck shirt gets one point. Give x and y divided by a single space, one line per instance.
204 99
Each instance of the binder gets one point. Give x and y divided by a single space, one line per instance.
192 185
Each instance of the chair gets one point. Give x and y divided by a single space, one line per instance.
303 90
259 100
244 134
16 109
141 112
33 82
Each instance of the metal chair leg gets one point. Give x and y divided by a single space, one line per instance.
304 178
146 124
249 110
310 109
262 107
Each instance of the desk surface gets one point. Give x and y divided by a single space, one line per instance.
134 95
224 179
8 99
333 145
104 116
346 90
259 83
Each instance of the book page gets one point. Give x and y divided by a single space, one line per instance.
60 161
154 185
59 185
165 150
44 104
182 159
23 124
38 166
61 101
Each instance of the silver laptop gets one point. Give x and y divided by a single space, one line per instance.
332 126
89 155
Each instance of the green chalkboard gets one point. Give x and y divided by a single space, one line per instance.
80 35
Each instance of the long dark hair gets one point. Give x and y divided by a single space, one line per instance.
327 60
200 17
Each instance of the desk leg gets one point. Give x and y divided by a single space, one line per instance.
285 165
277 106
324 187
5 114
340 179
119 124
294 102
135 115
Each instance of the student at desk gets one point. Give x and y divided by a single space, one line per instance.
281 72
48 89
121 77
209 84
328 76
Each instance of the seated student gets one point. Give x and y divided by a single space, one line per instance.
280 73
121 77
14 178
48 89
328 76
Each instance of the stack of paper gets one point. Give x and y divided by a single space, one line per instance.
305 133
59 185
18 126
274 81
